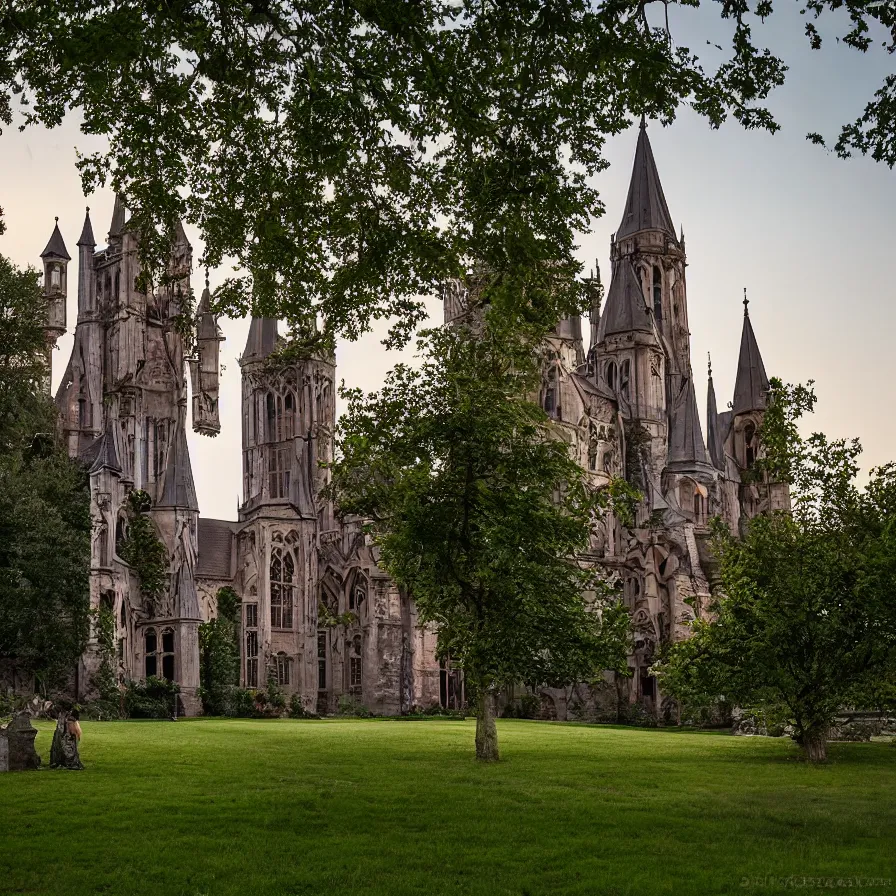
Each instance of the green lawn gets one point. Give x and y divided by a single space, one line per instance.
330 807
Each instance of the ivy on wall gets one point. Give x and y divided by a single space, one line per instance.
142 549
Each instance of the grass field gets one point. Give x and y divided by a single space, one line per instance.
282 808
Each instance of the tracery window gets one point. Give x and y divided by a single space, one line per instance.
356 597
150 646
252 659
278 473
167 654
657 294
280 411
610 374
283 587
355 664
282 667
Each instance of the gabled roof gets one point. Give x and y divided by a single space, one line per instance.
686 447
645 208
186 601
86 238
713 436
56 246
626 310
179 489
751 384
588 388
216 544
262 339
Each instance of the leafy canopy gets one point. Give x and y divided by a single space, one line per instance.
44 501
479 511
351 156
805 623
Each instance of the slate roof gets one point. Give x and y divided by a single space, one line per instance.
626 310
116 228
207 327
179 490
262 339
56 246
216 545
751 384
106 453
86 238
645 207
686 447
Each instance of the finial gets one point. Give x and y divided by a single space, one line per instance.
206 278
88 209
643 122
57 219
746 303
709 363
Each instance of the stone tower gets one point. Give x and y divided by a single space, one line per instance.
123 411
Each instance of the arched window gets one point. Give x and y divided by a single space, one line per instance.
356 598
168 654
657 294
625 371
279 473
56 275
322 660
610 374
283 587
355 664
550 394
608 461
123 618
698 507
283 664
150 648
749 445
103 545
280 414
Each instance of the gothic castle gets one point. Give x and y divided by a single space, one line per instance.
318 614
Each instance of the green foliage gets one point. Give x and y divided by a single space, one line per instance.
104 680
275 699
219 657
44 502
479 511
806 624
152 698
527 707
143 550
298 711
349 706
408 139
329 619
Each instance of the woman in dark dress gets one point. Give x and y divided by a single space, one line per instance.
64 750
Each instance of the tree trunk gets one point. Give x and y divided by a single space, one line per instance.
814 742
486 730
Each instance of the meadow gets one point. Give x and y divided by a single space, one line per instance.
212 807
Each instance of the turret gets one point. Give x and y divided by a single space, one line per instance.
55 258
86 277
204 368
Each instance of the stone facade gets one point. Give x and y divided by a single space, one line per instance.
318 614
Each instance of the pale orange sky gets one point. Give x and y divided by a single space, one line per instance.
811 237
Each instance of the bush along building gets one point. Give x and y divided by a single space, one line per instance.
318 616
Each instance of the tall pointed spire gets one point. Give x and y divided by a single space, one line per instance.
687 450
751 384
179 489
626 309
116 228
86 238
56 246
262 339
713 436
645 208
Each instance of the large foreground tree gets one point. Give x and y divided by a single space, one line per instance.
805 622
44 502
351 155
479 512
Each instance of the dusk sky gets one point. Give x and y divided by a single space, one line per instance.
810 236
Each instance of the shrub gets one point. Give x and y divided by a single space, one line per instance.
153 698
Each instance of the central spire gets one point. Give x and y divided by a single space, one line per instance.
645 208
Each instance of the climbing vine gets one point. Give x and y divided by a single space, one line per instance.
327 618
104 679
142 549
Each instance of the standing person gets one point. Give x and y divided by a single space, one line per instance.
64 750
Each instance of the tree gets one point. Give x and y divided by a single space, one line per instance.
219 653
479 512
805 623
44 501
350 156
